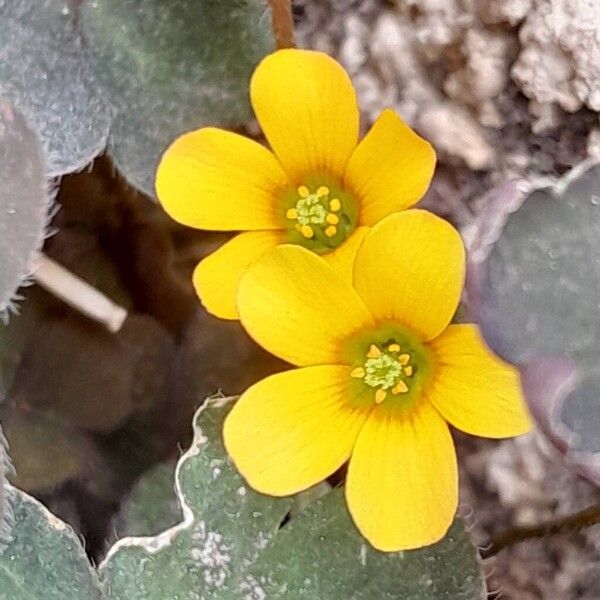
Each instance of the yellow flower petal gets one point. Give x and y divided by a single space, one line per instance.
473 389
410 269
297 307
307 108
216 278
402 485
390 169
342 258
215 179
294 429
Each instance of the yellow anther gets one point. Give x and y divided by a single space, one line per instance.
380 396
333 219
291 213
331 231
357 373
374 351
335 205
323 191
307 231
394 347
400 388
408 371
403 359
303 191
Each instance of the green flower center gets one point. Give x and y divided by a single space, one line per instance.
382 372
387 369
389 362
319 215
310 210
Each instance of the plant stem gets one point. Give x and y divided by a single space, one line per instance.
78 293
584 518
283 23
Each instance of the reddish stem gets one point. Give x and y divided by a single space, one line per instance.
283 23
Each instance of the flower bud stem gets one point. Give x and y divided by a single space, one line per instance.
78 293
567 524
283 23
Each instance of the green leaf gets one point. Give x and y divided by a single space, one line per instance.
158 68
537 294
43 559
15 337
5 516
230 545
320 555
169 67
152 506
23 201
45 73
542 282
224 529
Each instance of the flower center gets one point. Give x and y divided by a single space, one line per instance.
388 362
386 369
320 216
314 211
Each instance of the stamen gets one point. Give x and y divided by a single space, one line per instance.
357 373
307 231
374 351
380 396
400 388
386 370
314 208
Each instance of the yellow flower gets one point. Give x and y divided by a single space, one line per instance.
319 188
382 370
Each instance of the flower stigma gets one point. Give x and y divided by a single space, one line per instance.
387 369
319 216
315 210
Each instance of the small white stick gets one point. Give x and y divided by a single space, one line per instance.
78 293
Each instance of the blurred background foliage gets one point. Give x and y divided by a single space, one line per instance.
86 411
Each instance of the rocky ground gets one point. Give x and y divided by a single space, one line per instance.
503 89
